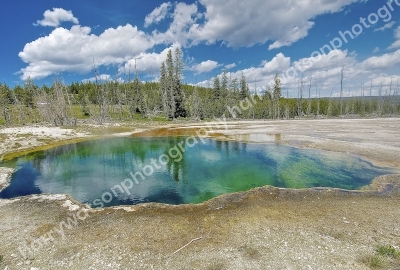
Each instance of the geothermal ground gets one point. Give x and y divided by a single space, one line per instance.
265 228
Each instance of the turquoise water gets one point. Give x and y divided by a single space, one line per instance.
177 170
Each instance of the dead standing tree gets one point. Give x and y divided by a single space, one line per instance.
55 106
4 102
300 97
341 91
309 100
101 113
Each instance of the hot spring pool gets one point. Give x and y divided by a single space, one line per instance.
178 170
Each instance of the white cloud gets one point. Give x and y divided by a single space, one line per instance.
380 62
147 62
386 26
230 66
235 24
335 58
157 15
396 44
75 50
245 23
55 17
376 50
184 17
278 63
382 79
205 66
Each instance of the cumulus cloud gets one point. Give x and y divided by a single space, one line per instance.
386 26
382 79
230 66
157 15
147 62
381 62
335 58
234 23
75 50
184 17
56 16
244 23
278 63
396 44
205 66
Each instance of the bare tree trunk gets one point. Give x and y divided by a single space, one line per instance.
318 102
380 100
341 91
309 100
329 112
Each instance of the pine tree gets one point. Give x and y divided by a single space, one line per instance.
233 93
137 95
276 96
171 74
164 90
267 94
170 84
217 88
224 84
29 93
5 101
244 89
177 91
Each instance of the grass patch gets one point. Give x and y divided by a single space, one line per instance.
1 258
384 257
388 251
375 261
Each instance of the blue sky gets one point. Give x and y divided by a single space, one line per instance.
257 38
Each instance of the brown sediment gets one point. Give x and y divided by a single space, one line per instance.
177 131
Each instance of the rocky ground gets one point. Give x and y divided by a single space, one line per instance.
265 228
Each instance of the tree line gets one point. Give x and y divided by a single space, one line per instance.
100 100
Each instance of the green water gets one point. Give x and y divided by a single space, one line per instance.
177 170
